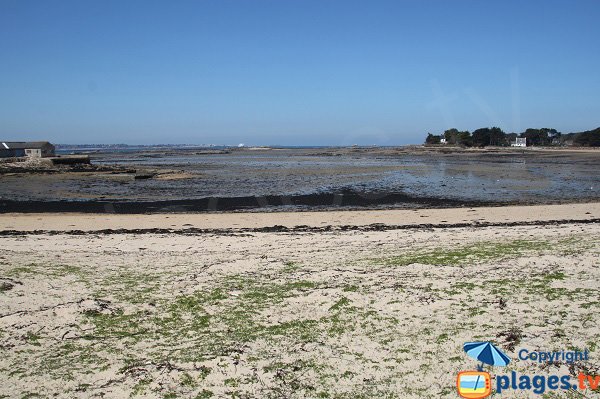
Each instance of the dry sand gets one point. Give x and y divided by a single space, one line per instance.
338 314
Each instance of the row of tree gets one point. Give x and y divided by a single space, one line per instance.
494 136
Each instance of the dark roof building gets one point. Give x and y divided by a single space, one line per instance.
33 149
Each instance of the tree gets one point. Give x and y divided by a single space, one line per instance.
481 137
432 139
497 136
589 138
488 136
551 133
454 136
510 138
451 136
464 138
536 136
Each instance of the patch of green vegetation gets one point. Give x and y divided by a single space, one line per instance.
464 285
588 305
188 332
342 314
50 270
68 359
129 286
290 267
33 338
557 275
208 324
537 286
459 288
204 394
340 304
479 252
348 374
350 288
484 252
141 386
22 270
231 382
64 270
442 338
188 381
204 372
116 325
259 295
300 330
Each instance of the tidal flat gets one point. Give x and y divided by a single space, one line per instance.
280 179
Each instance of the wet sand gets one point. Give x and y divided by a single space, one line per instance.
383 219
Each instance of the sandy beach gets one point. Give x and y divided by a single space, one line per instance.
475 216
330 305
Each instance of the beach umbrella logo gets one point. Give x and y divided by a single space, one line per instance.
487 353
478 384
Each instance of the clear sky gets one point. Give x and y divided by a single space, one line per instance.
293 72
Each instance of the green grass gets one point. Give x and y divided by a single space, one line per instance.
146 326
33 338
185 319
129 286
486 251
22 270
204 394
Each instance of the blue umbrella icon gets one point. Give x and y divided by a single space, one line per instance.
486 352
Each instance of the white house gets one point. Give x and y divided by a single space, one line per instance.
520 142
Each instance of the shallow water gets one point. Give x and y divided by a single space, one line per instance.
506 178
375 178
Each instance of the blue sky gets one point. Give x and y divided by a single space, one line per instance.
293 72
